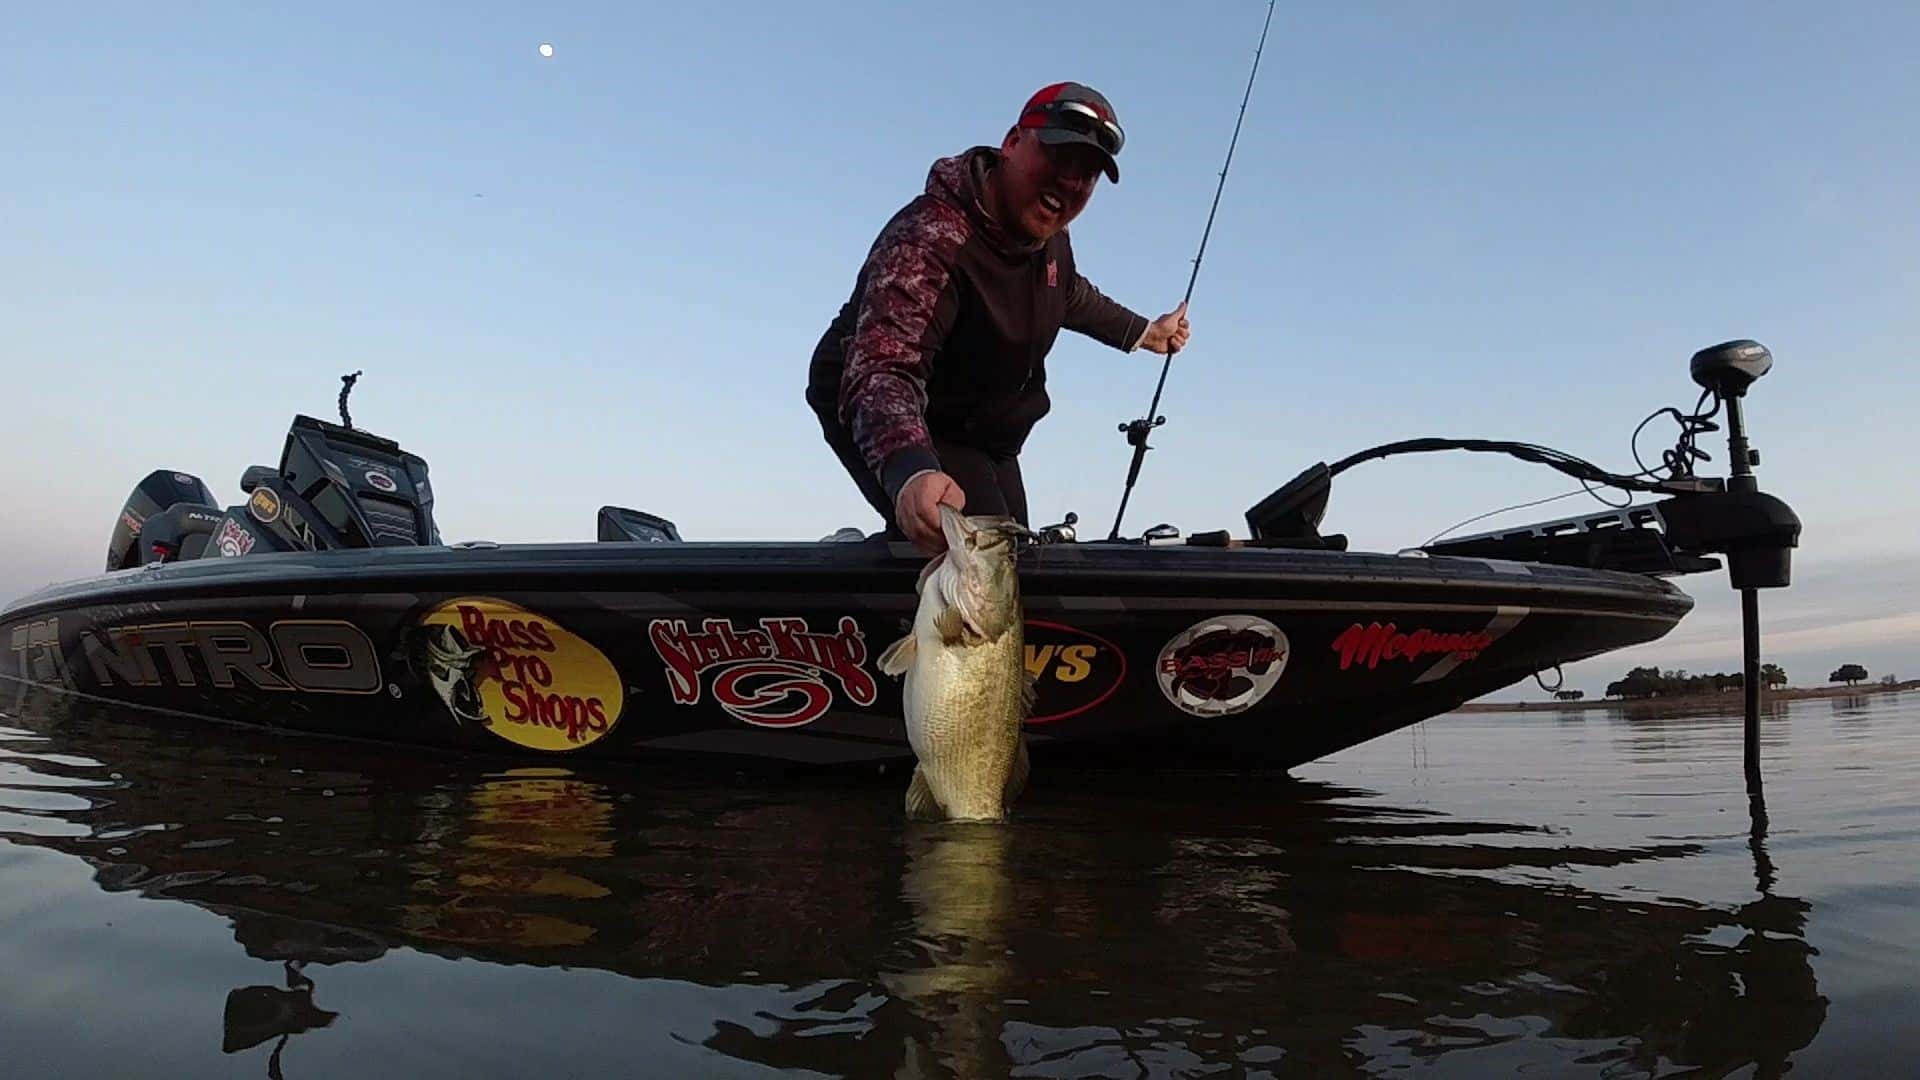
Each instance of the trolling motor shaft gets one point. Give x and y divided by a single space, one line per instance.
1760 532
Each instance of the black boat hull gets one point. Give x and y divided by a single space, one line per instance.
765 653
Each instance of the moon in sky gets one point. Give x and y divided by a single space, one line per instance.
546 49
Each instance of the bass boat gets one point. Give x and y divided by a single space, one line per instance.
326 602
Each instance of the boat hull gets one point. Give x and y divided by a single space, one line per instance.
764 654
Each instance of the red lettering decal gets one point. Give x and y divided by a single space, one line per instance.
683 671
1374 642
541 639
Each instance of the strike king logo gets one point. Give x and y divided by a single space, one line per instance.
1223 665
1368 645
518 674
772 675
1073 671
232 541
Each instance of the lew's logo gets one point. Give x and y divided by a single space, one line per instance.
518 673
1073 671
1367 645
773 675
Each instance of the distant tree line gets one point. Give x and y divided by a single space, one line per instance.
1647 682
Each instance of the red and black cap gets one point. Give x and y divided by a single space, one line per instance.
1068 112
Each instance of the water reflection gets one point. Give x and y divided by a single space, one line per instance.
1250 924
255 1014
1851 705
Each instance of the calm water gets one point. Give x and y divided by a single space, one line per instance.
1577 894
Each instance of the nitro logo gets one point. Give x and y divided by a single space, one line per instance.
1368 645
319 656
775 675
1223 665
37 655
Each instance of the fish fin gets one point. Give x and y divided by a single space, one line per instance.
921 805
1027 693
965 604
1017 777
926 572
949 625
898 657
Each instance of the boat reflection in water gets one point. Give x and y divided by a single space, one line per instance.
1237 922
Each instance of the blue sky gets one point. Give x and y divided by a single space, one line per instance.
597 277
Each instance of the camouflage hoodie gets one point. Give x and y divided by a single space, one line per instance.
947 331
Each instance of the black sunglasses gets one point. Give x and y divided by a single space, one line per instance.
1081 119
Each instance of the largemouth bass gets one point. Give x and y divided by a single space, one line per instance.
967 689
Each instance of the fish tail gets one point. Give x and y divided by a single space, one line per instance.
921 805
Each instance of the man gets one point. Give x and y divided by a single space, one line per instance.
930 378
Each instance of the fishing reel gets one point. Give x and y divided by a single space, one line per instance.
1060 533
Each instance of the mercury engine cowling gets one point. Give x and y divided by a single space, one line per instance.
150 515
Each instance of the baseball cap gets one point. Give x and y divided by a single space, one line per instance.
1067 112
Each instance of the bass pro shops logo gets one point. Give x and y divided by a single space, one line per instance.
518 673
774 675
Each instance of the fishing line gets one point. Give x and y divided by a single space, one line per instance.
1137 431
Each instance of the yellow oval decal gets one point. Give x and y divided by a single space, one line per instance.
521 675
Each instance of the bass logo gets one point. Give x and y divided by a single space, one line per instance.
1223 665
778 674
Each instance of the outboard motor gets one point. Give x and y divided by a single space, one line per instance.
336 487
173 510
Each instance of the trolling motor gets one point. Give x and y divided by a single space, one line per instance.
1756 531
1698 522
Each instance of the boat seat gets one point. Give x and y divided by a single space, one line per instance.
254 474
622 525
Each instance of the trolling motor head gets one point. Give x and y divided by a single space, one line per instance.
1730 367
1755 531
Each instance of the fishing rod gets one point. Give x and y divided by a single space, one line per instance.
1137 431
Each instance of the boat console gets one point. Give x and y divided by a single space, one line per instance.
336 487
